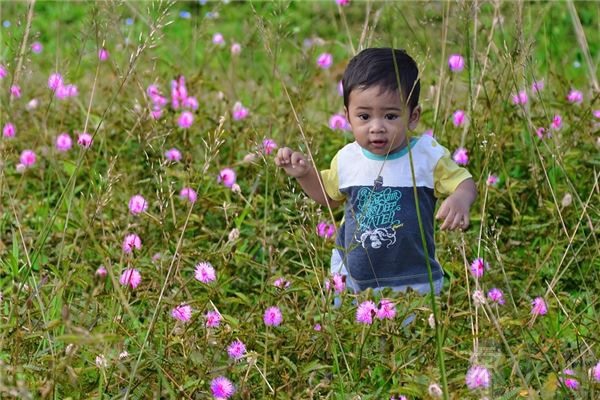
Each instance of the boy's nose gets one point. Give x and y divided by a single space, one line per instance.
376 126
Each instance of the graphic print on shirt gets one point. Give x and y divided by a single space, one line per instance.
376 217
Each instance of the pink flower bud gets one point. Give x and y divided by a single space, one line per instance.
456 63
325 60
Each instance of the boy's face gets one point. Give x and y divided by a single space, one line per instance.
380 119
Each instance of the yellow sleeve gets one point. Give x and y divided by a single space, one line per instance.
331 181
448 175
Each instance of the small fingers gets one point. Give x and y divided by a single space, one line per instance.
447 224
457 222
298 159
465 222
442 212
283 156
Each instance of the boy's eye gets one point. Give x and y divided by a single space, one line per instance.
363 117
391 116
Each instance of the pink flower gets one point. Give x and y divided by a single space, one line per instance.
520 98
156 113
173 155
189 194
55 81
575 97
461 156
221 388
137 204
338 281
64 142
343 2
152 90
456 63
495 295
571 383
540 132
213 319
190 102
492 180
28 158
338 121
556 123
205 272
218 39
130 277
159 101
64 91
478 377
537 86
569 380
273 316
101 271
15 91
239 111
103 54
226 177
317 327
20 168
268 146
3 71
131 242
478 267
72 90
32 105
61 92
85 140
281 283
236 49
539 306
185 120
386 310
178 92
325 60
182 313
9 130
435 390
596 113
458 118
325 230
595 372
236 349
428 132
37 47
365 312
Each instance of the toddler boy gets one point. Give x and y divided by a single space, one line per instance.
379 243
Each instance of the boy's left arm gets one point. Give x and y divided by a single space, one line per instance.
455 209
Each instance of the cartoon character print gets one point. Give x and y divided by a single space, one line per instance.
376 217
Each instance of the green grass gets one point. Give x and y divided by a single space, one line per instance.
66 216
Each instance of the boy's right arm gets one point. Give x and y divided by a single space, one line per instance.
295 164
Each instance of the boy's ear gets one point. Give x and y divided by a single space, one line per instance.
413 120
346 114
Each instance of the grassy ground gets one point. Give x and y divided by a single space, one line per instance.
64 329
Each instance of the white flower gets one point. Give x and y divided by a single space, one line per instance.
234 234
101 361
431 321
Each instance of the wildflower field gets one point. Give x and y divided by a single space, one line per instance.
150 248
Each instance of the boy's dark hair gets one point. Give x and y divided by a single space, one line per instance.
375 67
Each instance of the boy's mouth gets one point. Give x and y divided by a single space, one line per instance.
379 143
